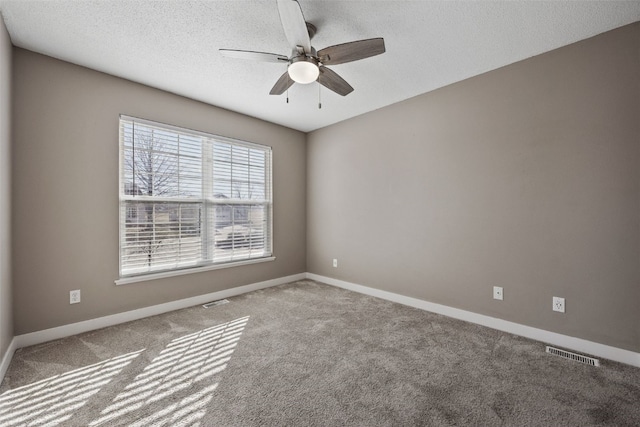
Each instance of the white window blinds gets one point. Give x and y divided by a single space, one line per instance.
190 199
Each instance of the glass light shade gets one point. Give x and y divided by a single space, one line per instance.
304 72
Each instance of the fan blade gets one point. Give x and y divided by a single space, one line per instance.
295 28
254 56
331 80
352 51
283 83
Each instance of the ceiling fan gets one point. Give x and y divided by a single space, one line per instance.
306 65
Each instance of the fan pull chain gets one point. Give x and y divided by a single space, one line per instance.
319 97
287 96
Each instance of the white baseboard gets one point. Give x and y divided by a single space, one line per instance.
6 358
115 319
565 341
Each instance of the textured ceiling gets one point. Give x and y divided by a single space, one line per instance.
173 45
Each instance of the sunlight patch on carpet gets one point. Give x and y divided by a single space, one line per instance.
52 401
183 363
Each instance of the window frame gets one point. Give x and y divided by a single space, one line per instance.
206 202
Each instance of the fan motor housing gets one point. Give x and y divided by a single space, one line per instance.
305 58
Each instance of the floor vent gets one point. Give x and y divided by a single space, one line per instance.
214 303
573 356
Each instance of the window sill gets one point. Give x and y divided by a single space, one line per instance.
165 274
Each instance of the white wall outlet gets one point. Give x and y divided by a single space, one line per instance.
335 263
498 293
558 304
74 296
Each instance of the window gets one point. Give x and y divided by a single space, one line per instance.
190 199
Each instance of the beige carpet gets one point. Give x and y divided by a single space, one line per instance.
309 354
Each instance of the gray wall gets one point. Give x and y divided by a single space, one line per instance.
527 177
6 312
65 192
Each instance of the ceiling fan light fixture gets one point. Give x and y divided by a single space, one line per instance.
303 70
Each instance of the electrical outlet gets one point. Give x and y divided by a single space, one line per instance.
335 263
498 293
74 296
558 304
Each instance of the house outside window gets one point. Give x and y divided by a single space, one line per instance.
190 199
